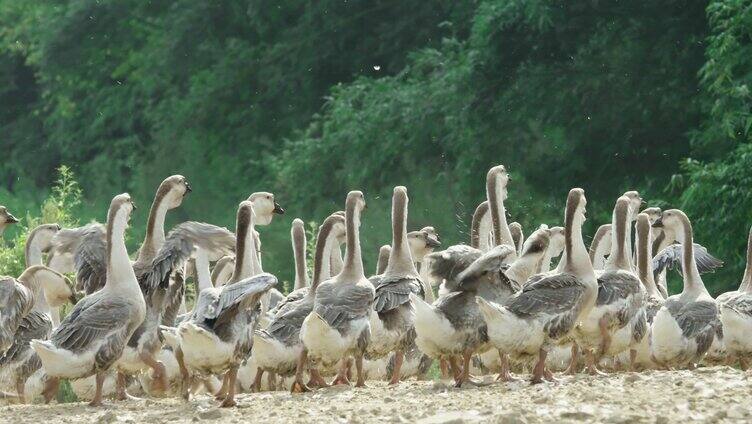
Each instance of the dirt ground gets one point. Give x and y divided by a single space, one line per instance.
714 394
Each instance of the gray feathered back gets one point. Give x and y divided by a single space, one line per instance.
90 256
448 264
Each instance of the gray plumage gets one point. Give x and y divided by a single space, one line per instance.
391 293
338 304
90 257
67 240
699 321
623 288
557 299
16 301
20 361
491 262
671 258
447 264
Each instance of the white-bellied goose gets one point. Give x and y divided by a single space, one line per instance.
653 297
684 328
617 321
19 362
600 246
6 218
92 337
339 327
218 336
548 308
392 319
278 347
736 315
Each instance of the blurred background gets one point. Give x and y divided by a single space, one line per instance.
312 99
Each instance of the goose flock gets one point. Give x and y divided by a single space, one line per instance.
496 305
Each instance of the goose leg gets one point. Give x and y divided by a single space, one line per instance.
298 386
743 364
20 388
222 393
605 337
539 370
505 374
456 371
50 389
592 369
361 382
187 380
230 376
444 367
159 371
341 378
632 360
256 387
97 401
465 374
573 361
399 357
272 380
316 380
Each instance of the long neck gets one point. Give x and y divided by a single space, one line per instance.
480 227
400 259
155 234
618 258
353 270
692 281
119 269
335 260
502 235
299 251
40 302
746 284
525 266
427 280
33 251
644 260
664 239
325 243
577 258
246 261
203 276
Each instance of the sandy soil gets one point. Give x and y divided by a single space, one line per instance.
715 394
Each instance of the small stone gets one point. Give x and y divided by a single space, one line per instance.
388 400
210 414
108 417
576 415
632 377
512 418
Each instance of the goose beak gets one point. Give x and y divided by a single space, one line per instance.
10 219
433 242
658 222
188 188
278 209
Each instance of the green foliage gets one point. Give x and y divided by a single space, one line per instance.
58 208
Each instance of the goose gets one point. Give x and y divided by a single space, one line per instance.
685 326
736 315
339 326
452 326
278 347
383 260
518 237
422 243
548 307
264 209
392 319
39 242
653 297
617 321
217 337
48 288
6 218
92 337
600 246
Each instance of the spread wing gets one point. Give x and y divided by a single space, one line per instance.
490 262
16 301
90 258
338 304
557 299
391 293
671 258
175 294
447 264
239 296
93 319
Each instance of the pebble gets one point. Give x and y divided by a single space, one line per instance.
210 414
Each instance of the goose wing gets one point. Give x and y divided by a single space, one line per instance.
489 263
557 299
741 303
35 325
175 294
239 296
16 301
93 319
699 321
447 264
391 293
294 296
623 289
671 258
339 304
286 324
89 257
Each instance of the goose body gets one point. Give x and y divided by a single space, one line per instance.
736 315
92 337
684 328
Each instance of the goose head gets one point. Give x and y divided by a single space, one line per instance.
635 203
172 191
6 218
265 207
556 241
56 287
121 208
499 175
42 236
540 241
576 207
355 202
653 214
672 219
423 242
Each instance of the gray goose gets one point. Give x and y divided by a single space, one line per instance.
736 315
278 347
392 318
685 327
19 362
339 327
549 306
217 337
92 337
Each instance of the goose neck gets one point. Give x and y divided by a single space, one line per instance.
618 257
400 258
299 251
353 269
502 234
692 281
644 259
120 272
203 276
576 260
326 240
155 232
746 285
246 256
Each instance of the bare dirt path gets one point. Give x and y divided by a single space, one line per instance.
715 394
